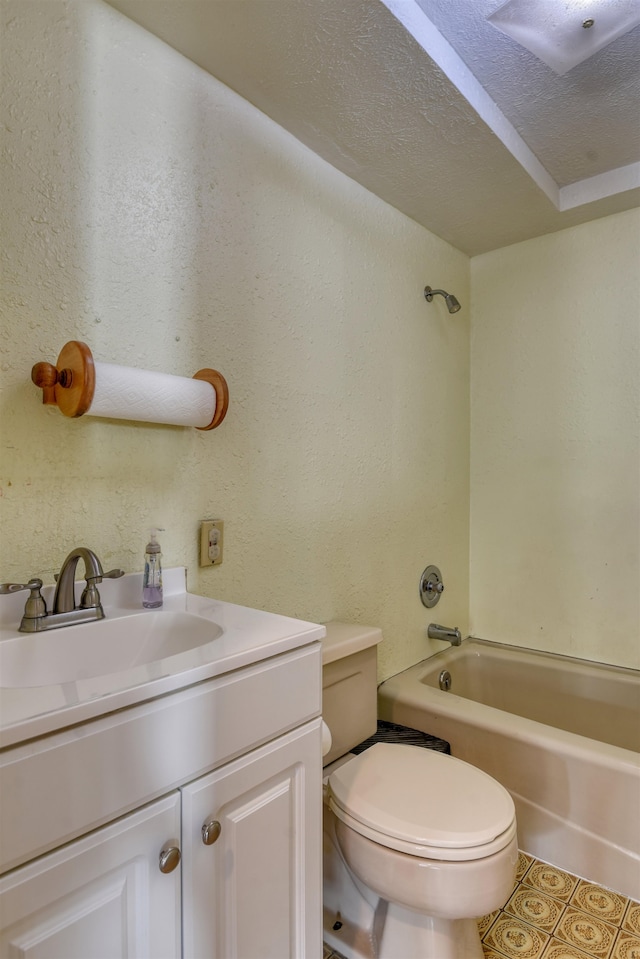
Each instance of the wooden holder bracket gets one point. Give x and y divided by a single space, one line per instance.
71 383
221 389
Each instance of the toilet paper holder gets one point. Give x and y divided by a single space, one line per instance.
77 385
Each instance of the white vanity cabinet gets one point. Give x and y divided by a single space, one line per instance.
101 896
247 894
86 811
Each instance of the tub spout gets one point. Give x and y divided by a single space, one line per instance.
444 632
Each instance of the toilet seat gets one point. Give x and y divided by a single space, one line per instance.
423 803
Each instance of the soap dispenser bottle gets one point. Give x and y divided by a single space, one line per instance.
152 580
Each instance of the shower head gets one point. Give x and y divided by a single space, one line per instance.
452 304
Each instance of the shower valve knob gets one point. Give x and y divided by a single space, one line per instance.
431 586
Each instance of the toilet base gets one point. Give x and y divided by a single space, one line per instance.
407 933
369 927
403 935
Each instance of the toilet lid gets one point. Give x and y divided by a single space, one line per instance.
415 799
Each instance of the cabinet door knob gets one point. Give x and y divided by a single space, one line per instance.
169 857
210 832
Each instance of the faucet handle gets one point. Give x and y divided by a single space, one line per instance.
112 574
90 598
35 607
16 587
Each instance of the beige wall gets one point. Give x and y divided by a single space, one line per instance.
152 213
555 452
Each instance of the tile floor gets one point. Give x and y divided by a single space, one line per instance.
554 915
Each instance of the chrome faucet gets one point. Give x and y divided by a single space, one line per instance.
64 611
444 632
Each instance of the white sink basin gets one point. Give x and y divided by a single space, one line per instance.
73 653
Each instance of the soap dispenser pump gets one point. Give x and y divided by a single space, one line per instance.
152 580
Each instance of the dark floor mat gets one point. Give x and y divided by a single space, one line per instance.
394 733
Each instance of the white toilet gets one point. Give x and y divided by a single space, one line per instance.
417 844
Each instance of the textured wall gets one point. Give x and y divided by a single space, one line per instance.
154 214
555 452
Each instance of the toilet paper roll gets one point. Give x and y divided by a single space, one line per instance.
124 393
326 738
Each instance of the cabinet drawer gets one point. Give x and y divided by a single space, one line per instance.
61 786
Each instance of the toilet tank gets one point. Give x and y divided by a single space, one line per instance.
349 685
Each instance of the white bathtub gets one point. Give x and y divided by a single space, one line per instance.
563 735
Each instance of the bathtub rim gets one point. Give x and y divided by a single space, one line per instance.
568 743
577 661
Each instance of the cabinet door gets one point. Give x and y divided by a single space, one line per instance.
255 892
100 897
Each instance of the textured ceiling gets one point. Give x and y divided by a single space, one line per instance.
584 123
428 106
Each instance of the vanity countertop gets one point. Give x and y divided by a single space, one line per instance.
241 637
